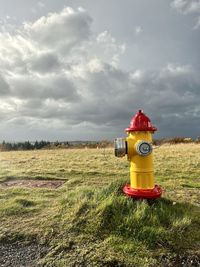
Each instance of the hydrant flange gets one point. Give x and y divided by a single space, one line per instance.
154 193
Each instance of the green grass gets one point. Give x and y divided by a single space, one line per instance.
89 222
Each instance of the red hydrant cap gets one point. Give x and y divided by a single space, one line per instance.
140 122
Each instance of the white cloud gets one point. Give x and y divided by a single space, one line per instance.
109 48
175 69
179 4
188 7
138 29
61 31
41 4
95 65
136 75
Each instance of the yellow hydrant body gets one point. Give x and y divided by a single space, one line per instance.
141 167
138 147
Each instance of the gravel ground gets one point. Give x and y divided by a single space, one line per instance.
180 261
20 255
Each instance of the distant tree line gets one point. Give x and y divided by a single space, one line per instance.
27 145
8 146
176 140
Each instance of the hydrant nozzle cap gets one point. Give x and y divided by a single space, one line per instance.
140 122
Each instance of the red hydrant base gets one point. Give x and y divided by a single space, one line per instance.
141 193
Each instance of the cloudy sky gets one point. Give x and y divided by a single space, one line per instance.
80 69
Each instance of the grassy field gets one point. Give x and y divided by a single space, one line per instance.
88 221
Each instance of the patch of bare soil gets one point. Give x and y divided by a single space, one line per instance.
51 184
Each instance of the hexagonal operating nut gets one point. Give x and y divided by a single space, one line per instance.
144 148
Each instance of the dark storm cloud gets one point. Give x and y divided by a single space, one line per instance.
165 93
45 62
56 73
4 87
43 87
112 101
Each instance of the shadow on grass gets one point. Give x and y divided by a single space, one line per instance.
136 228
126 232
160 223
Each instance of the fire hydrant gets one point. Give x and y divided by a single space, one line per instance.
138 147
